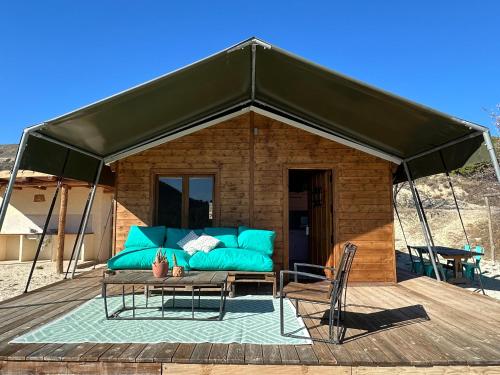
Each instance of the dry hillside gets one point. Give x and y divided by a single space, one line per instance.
471 185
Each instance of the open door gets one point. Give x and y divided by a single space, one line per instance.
310 204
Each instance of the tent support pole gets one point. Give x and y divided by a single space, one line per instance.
454 197
77 236
491 150
44 232
86 216
12 180
254 51
422 221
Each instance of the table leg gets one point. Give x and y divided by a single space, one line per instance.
192 302
222 299
162 302
458 268
123 296
105 300
133 301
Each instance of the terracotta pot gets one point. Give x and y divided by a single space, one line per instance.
160 269
178 271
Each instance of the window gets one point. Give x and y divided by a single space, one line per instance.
185 201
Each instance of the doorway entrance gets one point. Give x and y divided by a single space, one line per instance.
310 217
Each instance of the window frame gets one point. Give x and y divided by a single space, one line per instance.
185 174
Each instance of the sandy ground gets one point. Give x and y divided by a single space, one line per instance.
447 231
13 277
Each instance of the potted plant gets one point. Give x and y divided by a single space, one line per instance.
177 271
160 265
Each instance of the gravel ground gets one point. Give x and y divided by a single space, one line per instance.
491 275
13 277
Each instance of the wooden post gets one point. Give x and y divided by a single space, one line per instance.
61 229
490 229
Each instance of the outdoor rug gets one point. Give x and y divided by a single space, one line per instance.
247 319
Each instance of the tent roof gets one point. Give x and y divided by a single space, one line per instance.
252 73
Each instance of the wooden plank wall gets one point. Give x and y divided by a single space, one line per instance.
362 185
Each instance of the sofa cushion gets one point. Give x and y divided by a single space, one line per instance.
231 259
174 235
184 242
203 243
227 236
140 258
145 236
256 239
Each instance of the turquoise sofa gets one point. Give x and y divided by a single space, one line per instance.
240 249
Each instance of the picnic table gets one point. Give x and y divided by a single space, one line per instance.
449 253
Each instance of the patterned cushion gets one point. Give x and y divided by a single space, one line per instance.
183 243
203 243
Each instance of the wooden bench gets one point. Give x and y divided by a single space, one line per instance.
236 277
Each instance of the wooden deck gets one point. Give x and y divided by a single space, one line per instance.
417 322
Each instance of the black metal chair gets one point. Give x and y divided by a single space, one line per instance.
332 292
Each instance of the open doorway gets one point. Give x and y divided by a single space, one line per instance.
310 217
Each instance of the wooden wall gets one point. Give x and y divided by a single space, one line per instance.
252 167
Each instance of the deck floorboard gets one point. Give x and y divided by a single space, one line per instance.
417 322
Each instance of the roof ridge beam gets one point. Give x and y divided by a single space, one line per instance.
250 42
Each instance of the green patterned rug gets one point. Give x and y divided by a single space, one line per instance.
248 319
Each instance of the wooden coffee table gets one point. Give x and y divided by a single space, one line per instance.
194 280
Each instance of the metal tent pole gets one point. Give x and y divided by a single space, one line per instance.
47 221
491 150
454 197
44 232
422 221
77 235
424 215
104 232
86 216
12 180
400 222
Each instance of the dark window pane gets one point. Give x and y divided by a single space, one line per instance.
201 191
169 202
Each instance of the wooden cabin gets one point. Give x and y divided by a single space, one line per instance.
265 173
257 136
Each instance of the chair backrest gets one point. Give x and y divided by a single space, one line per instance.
413 257
339 283
478 249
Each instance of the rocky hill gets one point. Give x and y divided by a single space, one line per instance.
471 184
7 155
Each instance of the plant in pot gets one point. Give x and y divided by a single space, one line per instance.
177 271
160 265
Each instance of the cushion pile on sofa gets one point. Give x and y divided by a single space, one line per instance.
239 249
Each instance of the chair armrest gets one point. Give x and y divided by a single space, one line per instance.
297 273
308 265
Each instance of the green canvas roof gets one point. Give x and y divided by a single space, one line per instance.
252 73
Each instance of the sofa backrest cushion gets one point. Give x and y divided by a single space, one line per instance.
256 239
174 235
145 236
140 258
227 236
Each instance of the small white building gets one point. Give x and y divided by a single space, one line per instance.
27 212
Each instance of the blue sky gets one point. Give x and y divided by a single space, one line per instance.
56 56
